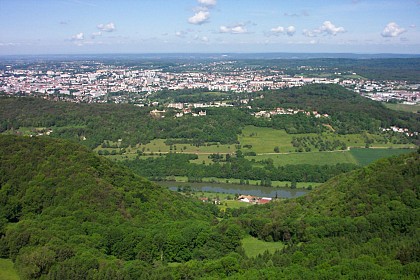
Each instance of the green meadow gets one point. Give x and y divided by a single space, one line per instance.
262 141
254 247
314 158
7 270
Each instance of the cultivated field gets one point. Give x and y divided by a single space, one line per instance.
262 141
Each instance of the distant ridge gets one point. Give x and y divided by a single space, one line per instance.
222 56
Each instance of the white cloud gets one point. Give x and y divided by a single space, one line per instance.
224 29
96 34
200 17
392 30
291 30
329 28
278 29
207 2
236 29
108 27
78 37
180 33
309 33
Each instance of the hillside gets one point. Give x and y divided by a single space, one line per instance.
66 213
361 225
350 112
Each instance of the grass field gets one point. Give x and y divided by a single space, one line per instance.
403 107
263 140
315 158
366 156
253 246
7 271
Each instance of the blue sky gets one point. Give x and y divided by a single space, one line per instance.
174 26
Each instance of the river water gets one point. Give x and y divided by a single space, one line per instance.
237 189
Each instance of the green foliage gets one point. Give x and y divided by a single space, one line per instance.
349 112
69 214
92 124
360 225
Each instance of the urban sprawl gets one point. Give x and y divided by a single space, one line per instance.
97 82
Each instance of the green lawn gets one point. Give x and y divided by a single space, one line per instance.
7 271
315 158
366 156
253 246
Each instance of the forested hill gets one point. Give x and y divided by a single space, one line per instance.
65 213
361 225
91 124
350 112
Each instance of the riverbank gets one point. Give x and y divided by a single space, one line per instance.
233 181
236 189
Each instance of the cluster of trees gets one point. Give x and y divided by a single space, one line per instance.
176 164
307 143
293 124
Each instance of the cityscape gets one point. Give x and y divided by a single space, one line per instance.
92 81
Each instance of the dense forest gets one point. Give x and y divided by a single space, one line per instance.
66 213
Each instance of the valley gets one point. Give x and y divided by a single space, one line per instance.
298 182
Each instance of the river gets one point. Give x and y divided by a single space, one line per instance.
238 189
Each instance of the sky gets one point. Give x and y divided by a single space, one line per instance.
209 26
